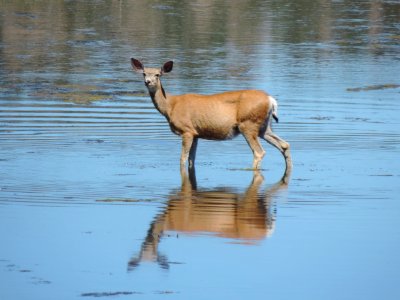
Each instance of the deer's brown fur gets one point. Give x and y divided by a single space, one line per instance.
216 117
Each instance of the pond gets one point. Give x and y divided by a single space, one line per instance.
92 200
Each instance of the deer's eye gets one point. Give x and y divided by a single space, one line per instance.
144 74
157 75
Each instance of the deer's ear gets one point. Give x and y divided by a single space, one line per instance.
137 65
167 67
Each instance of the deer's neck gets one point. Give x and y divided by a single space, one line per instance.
160 100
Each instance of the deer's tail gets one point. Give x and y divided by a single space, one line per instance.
274 108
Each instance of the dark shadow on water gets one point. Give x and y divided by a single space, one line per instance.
246 217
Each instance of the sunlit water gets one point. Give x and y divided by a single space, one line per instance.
92 203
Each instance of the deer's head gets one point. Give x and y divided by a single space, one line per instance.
151 75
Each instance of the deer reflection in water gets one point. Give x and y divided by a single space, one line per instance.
247 217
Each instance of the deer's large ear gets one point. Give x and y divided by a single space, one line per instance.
137 65
167 67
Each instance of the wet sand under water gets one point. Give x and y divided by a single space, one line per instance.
92 202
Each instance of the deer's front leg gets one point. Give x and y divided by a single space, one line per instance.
187 142
192 153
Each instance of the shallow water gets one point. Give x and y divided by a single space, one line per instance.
92 203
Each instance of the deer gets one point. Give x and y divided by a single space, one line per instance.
220 116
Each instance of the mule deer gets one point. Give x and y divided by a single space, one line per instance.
215 117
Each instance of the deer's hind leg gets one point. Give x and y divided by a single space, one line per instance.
278 143
250 133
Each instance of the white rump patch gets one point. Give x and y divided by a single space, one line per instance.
274 107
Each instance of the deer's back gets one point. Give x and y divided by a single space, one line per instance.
217 116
